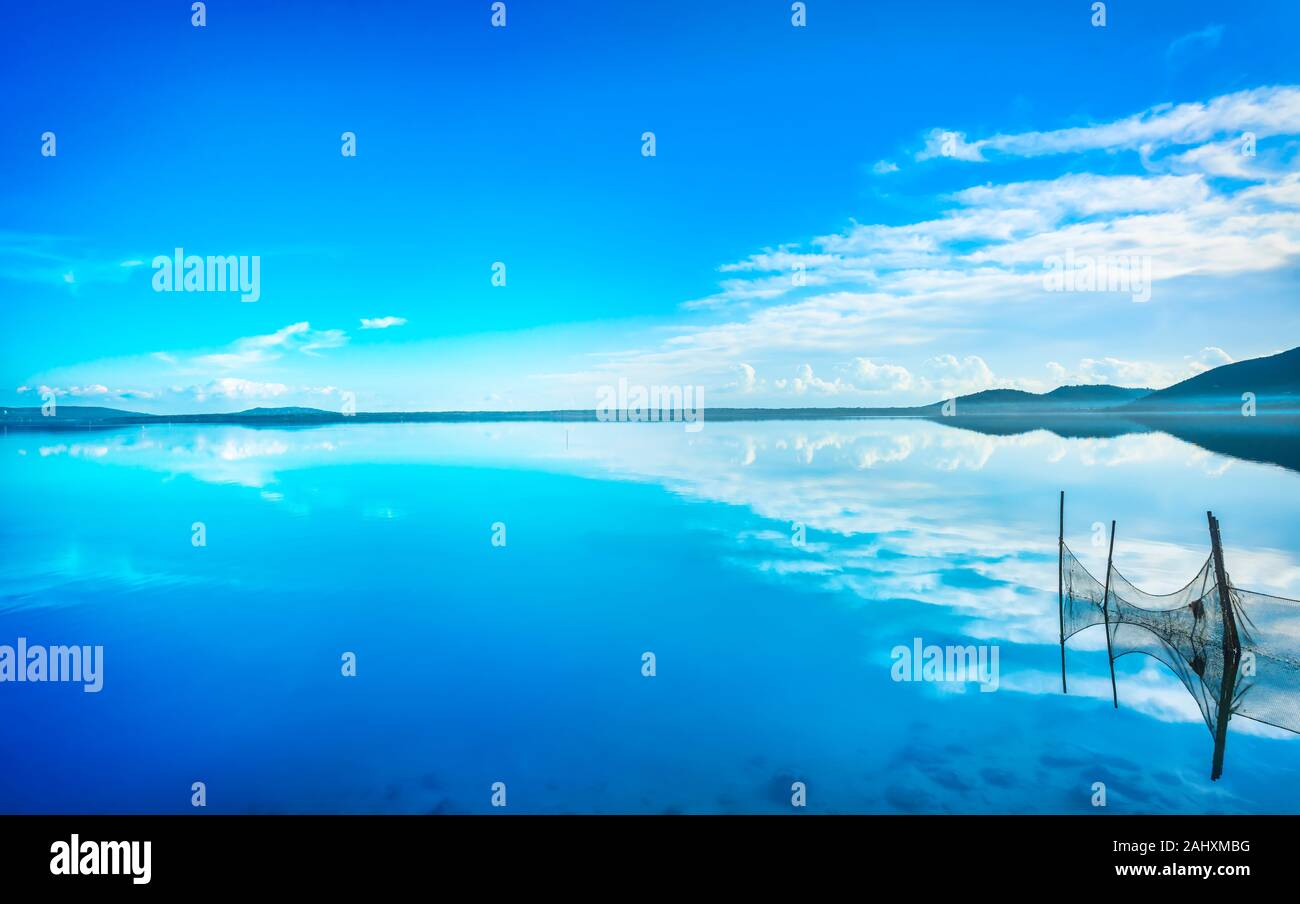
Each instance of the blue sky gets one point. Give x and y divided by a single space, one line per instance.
777 148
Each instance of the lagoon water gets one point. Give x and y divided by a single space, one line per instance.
522 663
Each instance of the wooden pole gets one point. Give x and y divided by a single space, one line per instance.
1060 587
1231 649
1105 614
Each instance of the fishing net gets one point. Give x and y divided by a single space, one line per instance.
1239 661
1268 682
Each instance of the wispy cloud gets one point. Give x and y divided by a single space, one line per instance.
1143 374
1266 111
90 391
256 350
58 260
234 388
381 323
1186 46
941 376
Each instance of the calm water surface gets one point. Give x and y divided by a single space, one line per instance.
522 663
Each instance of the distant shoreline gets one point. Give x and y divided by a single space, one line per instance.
1267 386
68 418
1271 437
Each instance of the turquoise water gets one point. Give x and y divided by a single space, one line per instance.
522 663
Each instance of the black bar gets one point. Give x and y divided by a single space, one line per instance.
676 853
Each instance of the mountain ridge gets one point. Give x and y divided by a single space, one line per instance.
1271 379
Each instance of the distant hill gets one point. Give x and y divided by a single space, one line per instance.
1061 400
1001 397
1274 380
282 412
1101 396
66 413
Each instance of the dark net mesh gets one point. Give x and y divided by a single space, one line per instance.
1268 682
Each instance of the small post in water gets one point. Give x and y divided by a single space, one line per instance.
1060 587
1231 649
1105 614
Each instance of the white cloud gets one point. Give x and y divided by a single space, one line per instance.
1208 358
869 376
747 378
1118 372
991 247
1138 374
263 349
1224 158
1086 195
805 381
381 323
947 143
234 388
1266 111
952 376
863 376
89 391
